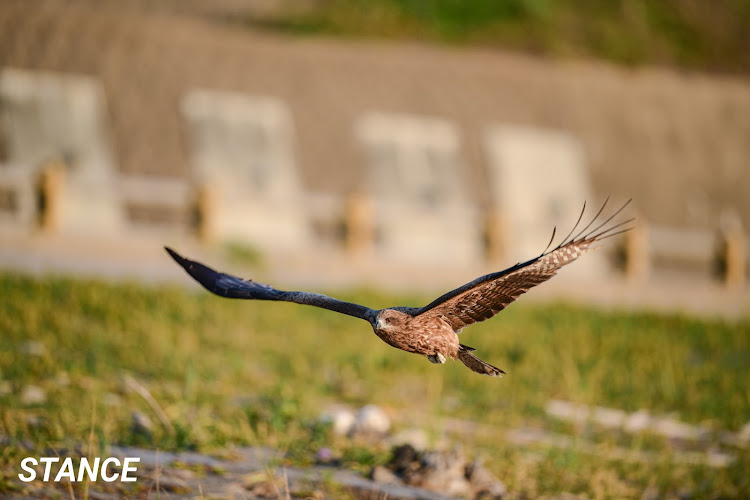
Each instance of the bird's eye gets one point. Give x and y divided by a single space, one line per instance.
388 320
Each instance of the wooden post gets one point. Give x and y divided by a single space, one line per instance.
637 255
734 248
496 231
206 211
51 186
360 224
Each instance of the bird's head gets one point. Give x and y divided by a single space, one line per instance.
389 319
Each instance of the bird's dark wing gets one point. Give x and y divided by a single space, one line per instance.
488 295
411 311
232 287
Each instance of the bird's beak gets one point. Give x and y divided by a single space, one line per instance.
380 324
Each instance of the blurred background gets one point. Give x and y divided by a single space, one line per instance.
405 134
369 149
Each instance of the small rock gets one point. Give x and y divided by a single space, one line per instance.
744 434
33 395
385 475
264 489
326 456
638 421
21 444
715 458
34 348
5 387
141 424
111 399
172 484
416 438
674 429
484 484
609 417
650 493
341 419
563 496
405 460
444 472
234 490
100 495
685 494
34 421
371 419
62 379
184 474
451 403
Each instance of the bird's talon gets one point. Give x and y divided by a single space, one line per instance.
436 358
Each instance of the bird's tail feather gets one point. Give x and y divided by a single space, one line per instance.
476 364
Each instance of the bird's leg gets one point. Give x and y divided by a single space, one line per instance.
436 358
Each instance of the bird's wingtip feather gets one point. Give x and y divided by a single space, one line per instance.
173 254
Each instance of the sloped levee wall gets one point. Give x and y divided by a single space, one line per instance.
192 124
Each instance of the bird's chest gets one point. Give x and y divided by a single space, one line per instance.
424 336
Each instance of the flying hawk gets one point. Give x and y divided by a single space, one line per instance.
432 330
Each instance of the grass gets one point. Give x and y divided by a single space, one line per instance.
229 373
686 33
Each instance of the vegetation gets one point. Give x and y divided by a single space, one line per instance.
228 373
687 33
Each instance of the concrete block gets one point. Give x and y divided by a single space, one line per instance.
48 116
538 180
242 150
415 175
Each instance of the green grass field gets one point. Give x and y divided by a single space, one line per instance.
708 36
229 373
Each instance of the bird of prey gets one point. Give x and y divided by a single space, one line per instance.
432 330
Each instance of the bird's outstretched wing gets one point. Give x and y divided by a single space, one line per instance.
486 296
232 287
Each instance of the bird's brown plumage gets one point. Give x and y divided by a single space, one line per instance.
433 329
429 335
489 298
